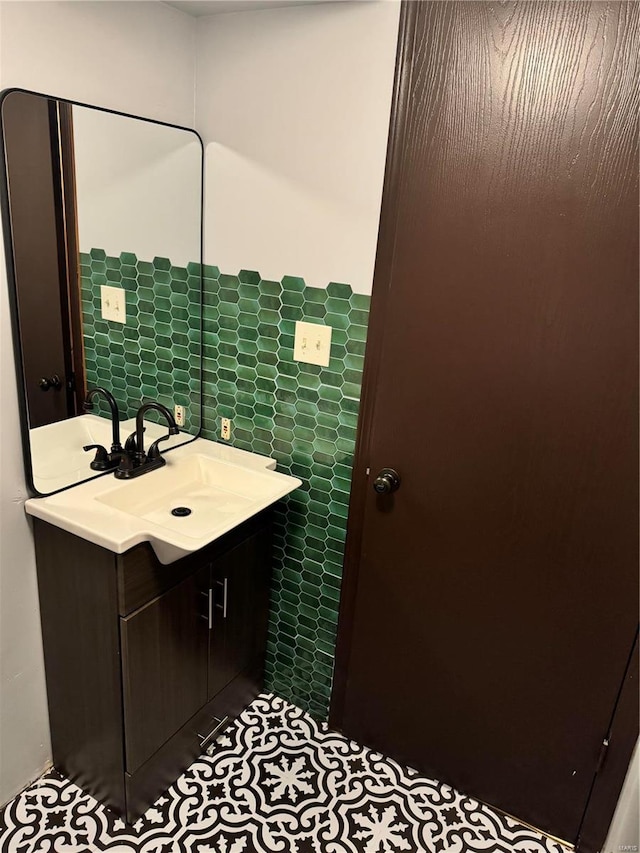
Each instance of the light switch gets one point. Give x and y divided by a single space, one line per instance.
113 304
312 343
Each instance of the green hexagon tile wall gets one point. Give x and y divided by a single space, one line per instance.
302 415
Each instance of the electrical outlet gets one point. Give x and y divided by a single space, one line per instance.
225 428
113 304
312 343
179 415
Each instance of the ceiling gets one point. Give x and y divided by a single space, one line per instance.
199 8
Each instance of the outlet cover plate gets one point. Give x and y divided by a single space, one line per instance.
113 303
312 343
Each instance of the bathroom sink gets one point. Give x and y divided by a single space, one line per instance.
204 490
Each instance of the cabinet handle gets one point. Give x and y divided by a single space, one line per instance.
209 616
223 606
214 731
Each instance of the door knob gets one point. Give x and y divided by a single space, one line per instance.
386 482
54 382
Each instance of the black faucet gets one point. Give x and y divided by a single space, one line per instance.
105 461
134 460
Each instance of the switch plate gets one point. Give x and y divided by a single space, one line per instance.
179 414
312 343
113 304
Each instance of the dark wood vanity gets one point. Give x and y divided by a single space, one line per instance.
146 663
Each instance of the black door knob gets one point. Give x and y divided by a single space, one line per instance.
386 482
54 382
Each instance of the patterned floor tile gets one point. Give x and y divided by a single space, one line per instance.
275 782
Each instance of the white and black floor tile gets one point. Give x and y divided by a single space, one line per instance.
276 782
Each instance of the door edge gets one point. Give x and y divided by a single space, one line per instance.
382 280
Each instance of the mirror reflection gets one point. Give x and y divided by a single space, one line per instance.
104 215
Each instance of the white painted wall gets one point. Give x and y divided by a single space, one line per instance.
131 56
139 58
138 187
293 105
624 833
24 727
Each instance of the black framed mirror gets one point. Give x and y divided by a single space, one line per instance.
102 215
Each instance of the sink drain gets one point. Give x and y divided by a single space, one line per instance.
181 511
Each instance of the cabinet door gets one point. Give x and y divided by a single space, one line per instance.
240 599
165 648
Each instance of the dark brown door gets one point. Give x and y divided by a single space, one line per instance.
164 667
240 605
31 136
490 605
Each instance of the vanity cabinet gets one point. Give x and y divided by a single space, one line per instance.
147 663
164 668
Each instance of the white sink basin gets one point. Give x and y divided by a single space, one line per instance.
213 490
222 486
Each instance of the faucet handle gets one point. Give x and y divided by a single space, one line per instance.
101 461
154 450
